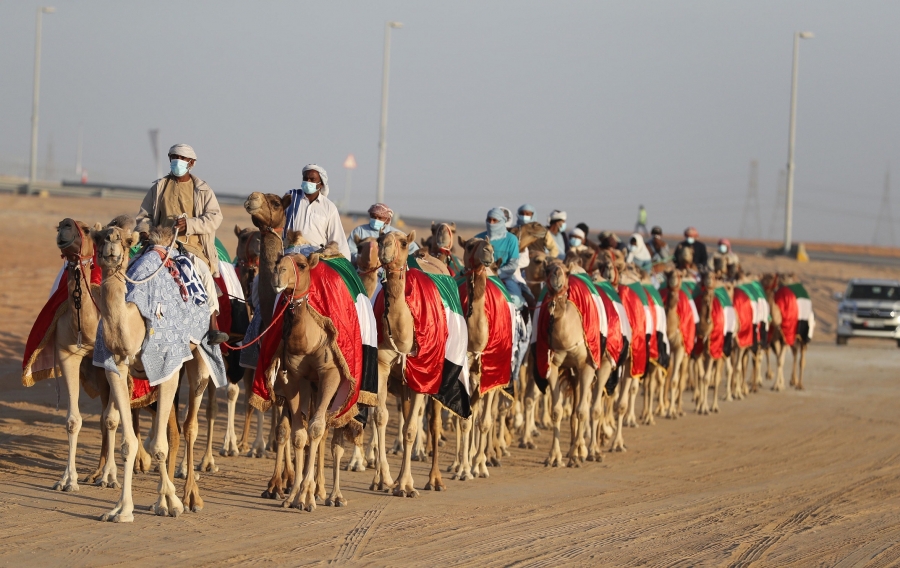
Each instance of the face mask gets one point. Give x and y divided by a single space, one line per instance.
309 187
562 227
690 240
495 230
575 242
723 249
376 224
179 168
524 219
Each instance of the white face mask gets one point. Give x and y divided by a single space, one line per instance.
723 249
690 240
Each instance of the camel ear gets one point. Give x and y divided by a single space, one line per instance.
286 200
313 260
237 231
411 237
98 226
462 243
424 242
98 233
433 227
452 226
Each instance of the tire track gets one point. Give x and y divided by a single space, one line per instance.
356 536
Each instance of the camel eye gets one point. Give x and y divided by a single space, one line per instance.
301 266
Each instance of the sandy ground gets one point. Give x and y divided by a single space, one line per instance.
792 478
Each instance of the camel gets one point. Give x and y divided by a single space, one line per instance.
779 295
535 275
569 362
680 331
396 343
311 364
124 330
708 360
440 245
247 255
73 341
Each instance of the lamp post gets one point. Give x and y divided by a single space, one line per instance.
382 140
32 171
789 194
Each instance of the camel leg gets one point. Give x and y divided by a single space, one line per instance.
457 430
546 410
794 359
529 430
630 419
336 498
108 472
197 384
397 448
802 366
484 424
621 407
649 394
504 406
419 452
229 444
582 414
464 472
295 426
716 378
781 354
372 448
107 441
357 459
243 445
208 461
435 482
123 512
167 503
769 374
597 402
382 480
70 365
143 462
328 386
413 403
675 378
282 432
320 492
558 386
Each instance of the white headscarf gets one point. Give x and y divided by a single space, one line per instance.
322 174
639 252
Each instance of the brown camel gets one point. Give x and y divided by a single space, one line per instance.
124 333
777 340
677 362
367 264
73 342
440 245
708 368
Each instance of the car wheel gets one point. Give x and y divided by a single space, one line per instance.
842 340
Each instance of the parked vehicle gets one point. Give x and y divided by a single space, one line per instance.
869 308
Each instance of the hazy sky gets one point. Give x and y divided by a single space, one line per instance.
591 107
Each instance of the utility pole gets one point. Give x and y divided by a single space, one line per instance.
382 140
884 213
32 170
779 203
751 204
792 135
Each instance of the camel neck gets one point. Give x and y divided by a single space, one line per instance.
476 315
305 336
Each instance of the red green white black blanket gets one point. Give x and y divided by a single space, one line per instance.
637 318
496 359
797 317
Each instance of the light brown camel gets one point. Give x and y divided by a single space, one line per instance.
678 359
73 342
708 368
440 245
569 364
124 331
777 341
310 364
247 256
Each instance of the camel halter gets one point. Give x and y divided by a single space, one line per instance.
78 265
161 264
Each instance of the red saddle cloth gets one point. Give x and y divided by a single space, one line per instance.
496 359
634 308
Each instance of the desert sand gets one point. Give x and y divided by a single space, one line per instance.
807 478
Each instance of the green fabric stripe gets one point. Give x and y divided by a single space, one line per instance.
723 298
220 250
654 294
690 288
446 285
761 293
609 290
638 289
586 279
348 274
752 289
496 280
799 290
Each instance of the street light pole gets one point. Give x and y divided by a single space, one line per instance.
382 140
789 194
32 172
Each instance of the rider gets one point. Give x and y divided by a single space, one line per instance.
187 203
380 216
526 215
313 214
690 240
556 229
659 250
724 257
506 249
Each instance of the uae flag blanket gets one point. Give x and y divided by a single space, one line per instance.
688 317
797 318
39 361
659 323
634 310
337 296
496 359
454 394
723 324
649 321
747 312
614 335
582 294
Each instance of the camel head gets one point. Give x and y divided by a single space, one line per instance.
536 270
267 209
292 273
557 277
248 249
367 257
685 258
530 233
673 279
606 265
73 239
113 243
477 253
442 238
393 249
769 281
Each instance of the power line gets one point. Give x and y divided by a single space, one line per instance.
884 213
751 204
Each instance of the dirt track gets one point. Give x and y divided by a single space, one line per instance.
803 478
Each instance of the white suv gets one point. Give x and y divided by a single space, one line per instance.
869 308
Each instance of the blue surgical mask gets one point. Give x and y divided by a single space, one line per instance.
690 240
575 242
524 219
309 187
179 167
376 224
562 227
723 249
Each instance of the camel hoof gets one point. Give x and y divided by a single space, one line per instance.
495 462
120 518
399 493
71 488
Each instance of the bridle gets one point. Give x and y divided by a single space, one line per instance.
78 262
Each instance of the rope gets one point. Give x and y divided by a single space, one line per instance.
163 263
260 336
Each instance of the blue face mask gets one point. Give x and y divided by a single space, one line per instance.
524 219
496 230
179 168
690 240
575 242
376 224
309 187
723 249
562 227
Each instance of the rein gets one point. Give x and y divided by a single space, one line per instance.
77 264
161 265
